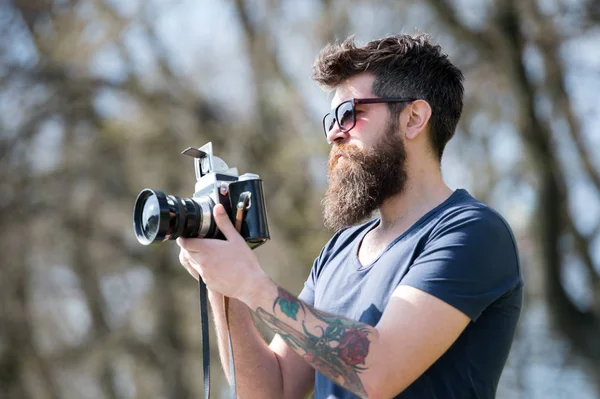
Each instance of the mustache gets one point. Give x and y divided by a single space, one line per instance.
348 151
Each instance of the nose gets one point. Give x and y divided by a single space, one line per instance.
335 134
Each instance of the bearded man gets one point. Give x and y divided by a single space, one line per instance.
421 301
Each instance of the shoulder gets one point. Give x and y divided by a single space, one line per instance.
467 217
475 239
469 257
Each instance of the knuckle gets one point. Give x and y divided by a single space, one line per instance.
189 244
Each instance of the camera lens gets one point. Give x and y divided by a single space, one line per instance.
150 217
158 217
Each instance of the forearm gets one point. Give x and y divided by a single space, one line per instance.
336 346
257 369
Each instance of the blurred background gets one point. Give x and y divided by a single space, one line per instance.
98 98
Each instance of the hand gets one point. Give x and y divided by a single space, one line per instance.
226 266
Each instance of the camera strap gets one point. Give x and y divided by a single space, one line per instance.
206 343
242 207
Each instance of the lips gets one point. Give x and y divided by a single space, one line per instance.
342 152
339 155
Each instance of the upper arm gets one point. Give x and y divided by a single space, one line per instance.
297 375
415 329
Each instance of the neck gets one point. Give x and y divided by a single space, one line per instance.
424 190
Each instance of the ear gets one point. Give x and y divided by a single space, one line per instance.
419 112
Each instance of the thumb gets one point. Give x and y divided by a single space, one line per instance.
224 223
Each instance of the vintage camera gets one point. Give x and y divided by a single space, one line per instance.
158 217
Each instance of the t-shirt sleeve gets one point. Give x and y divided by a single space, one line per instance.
307 295
469 261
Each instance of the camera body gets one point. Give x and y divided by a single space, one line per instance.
159 217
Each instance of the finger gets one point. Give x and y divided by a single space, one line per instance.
185 262
197 245
224 224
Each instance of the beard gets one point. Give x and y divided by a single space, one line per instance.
363 180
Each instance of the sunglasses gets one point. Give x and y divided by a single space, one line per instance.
345 113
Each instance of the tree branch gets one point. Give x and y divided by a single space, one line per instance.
549 43
483 42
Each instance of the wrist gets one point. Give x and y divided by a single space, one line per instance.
258 289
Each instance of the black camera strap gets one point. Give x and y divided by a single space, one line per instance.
242 206
206 343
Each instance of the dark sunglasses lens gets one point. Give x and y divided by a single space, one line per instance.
328 122
345 114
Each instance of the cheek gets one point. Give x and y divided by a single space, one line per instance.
368 126
361 133
362 121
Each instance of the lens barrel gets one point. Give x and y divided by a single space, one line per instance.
158 217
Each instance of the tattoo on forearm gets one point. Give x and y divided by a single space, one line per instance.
288 303
337 346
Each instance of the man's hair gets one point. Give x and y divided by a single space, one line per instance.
403 66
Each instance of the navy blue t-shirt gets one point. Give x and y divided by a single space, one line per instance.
462 252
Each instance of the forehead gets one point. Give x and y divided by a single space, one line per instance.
358 86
